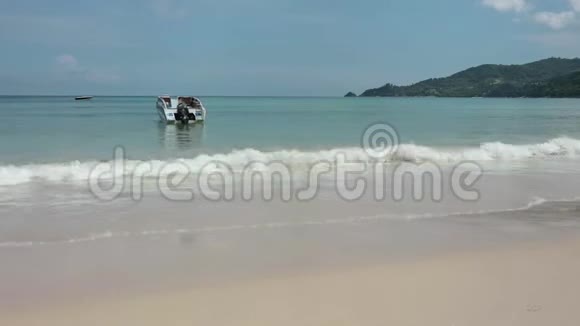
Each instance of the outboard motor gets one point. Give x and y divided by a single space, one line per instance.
183 114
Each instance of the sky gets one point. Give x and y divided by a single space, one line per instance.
267 47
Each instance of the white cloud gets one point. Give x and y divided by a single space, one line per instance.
555 20
69 66
507 5
575 4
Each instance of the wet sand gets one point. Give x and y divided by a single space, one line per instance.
518 284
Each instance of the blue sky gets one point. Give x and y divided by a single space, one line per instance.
268 47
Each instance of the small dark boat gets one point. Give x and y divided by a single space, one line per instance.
83 98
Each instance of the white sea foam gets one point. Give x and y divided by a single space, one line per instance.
237 160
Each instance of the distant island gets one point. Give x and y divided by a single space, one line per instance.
554 77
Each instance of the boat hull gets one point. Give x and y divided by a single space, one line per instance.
170 115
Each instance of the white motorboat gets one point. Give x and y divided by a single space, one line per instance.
182 109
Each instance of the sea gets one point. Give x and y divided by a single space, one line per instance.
59 130
65 211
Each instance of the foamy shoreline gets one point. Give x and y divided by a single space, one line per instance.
531 284
75 172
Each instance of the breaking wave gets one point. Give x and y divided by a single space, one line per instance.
237 160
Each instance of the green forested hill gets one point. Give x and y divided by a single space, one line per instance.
552 77
564 86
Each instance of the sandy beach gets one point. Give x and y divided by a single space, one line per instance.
524 284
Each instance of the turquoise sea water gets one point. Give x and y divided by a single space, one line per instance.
58 129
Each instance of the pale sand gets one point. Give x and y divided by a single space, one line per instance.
533 285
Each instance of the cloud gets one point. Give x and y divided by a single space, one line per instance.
555 20
69 66
507 5
575 4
